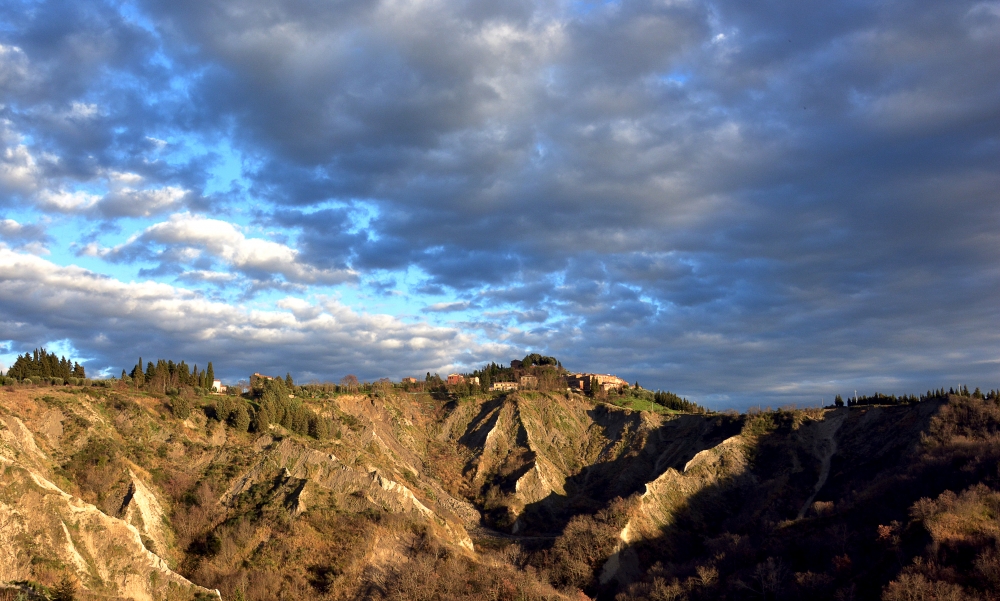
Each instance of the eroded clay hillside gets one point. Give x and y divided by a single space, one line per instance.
518 496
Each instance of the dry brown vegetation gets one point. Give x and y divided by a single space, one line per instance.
911 509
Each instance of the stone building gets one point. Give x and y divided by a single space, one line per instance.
607 382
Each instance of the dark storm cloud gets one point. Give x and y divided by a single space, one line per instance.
773 198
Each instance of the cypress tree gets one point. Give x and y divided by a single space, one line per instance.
137 376
44 364
209 375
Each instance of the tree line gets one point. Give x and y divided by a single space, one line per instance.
165 375
42 364
908 399
667 399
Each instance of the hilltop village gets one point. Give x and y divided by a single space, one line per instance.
534 372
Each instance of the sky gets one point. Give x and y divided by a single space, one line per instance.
742 202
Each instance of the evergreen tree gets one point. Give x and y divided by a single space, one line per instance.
239 419
288 380
137 376
181 407
209 375
42 364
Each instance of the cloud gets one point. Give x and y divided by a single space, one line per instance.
30 237
67 202
19 171
114 322
187 239
772 199
125 200
447 307
122 199
13 67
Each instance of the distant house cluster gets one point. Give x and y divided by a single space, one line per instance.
524 383
585 382
582 382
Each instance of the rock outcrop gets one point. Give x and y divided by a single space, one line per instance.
40 524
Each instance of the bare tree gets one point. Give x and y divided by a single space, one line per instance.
350 382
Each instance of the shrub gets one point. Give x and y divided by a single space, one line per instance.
239 419
914 587
759 423
180 407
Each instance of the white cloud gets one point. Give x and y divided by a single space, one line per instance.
29 237
129 202
123 199
19 172
188 238
9 227
302 309
124 178
77 201
81 110
113 321
28 173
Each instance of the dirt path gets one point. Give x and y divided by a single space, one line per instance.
824 446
